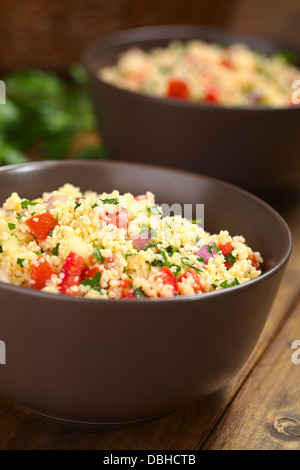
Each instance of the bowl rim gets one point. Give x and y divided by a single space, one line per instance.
116 38
239 192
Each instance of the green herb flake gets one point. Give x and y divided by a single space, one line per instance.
94 205
55 250
201 259
19 216
51 232
130 254
20 262
93 283
38 253
184 261
11 226
230 283
77 204
139 293
230 259
32 214
98 255
216 247
113 200
27 203
178 268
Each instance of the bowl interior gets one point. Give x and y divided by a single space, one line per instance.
225 206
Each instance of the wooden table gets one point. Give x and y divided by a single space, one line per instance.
258 409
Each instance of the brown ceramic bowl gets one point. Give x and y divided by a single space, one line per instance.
257 149
125 360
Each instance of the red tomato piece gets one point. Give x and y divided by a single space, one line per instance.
227 62
89 272
41 225
226 250
168 278
212 96
254 262
41 271
178 89
126 289
198 287
72 270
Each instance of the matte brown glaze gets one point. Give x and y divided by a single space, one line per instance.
257 149
125 360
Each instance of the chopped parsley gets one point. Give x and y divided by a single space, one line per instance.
27 203
51 232
38 253
113 200
19 216
201 259
11 226
178 268
94 205
98 255
139 293
184 261
55 250
161 262
20 262
33 213
77 204
130 254
93 282
144 228
230 259
230 283
171 250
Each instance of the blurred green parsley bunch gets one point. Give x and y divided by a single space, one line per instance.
43 115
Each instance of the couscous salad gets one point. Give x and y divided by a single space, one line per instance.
113 246
206 73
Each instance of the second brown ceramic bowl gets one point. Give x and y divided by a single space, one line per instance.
108 361
257 149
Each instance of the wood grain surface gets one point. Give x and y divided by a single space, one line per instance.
258 409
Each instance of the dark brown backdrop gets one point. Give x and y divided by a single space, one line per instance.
51 34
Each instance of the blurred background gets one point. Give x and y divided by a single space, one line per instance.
48 114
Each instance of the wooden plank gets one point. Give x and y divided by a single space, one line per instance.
185 429
266 413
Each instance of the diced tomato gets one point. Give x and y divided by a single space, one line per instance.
212 96
178 89
41 271
109 262
198 287
168 278
126 289
226 250
41 225
120 219
227 62
89 272
71 270
79 198
254 262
